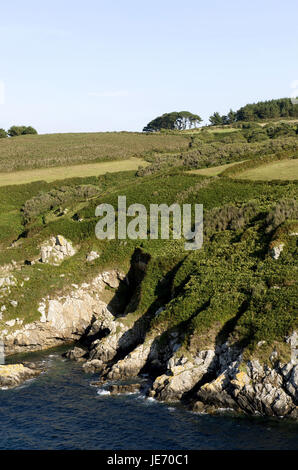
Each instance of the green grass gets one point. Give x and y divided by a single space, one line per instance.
213 170
75 171
281 170
43 151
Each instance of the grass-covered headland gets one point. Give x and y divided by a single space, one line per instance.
231 288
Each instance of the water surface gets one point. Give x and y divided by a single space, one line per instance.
60 410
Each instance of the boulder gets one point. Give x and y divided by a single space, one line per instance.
93 255
55 250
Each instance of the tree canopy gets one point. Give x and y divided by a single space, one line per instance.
176 121
281 108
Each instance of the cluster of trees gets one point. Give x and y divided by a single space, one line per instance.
281 108
173 121
14 131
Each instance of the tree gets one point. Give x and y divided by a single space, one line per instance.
231 116
29 130
3 133
15 131
175 121
216 119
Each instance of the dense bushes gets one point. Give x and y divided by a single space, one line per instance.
218 154
3 133
284 210
229 217
54 198
15 131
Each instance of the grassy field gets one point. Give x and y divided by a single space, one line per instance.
50 150
74 171
214 170
281 170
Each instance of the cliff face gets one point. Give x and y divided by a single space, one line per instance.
214 377
62 319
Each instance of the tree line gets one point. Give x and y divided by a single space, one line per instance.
271 109
15 131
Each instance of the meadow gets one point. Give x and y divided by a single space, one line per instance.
50 150
213 170
281 170
58 173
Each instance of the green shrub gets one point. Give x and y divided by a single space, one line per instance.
3 134
15 131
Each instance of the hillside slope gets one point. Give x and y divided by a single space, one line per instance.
213 327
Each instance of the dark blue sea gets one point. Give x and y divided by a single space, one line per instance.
61 410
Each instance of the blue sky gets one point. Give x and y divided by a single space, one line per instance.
104 66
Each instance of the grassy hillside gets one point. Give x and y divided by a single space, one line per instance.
231 288
42 151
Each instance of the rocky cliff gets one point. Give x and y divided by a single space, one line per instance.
217 376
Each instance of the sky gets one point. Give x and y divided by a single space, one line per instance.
73 66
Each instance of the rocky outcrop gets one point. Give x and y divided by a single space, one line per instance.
93 255
213 378
13 375
276 250
253 388
133 363
55 250
182 375
64 318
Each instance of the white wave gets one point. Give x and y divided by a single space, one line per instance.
102 391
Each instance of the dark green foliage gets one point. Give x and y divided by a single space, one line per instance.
281 108
15 131
175 120
216 119
280 130
256 135
272 109
29 130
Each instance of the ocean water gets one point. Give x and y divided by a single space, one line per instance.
61 410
